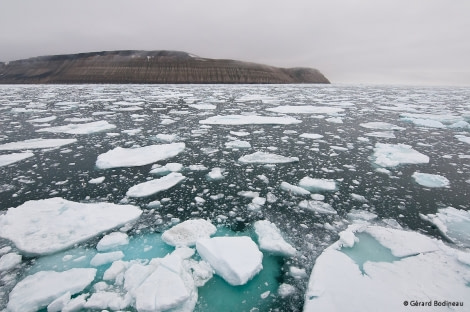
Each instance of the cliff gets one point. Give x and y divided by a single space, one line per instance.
147 67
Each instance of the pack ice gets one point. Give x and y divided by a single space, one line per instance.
140 156
40 227
393 265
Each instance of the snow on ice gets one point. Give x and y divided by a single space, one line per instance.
45 226
453 223
133 157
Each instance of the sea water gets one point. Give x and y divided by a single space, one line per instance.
326 132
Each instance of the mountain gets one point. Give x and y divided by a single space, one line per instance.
148 67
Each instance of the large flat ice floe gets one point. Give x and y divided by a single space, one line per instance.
306 109
249 120
36 144
157 185
236 259
9 159
39 290
84 128
188 232
453 223
271 240
392 155
140 156
46 226
430 180
393 265
266 158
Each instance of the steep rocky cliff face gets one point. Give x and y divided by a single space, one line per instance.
148 67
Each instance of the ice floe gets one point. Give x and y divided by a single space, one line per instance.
380 125
249 120
453 223
45 226
84 128
430 180
392 155
112 241
392 264
266 158
203 106
9 261
188 232
306 109
152 187
313 136
140 156
9 159
238 144
317 206
236 259
39 290
463 138
293 189
216 174
36 144
312 184
271 240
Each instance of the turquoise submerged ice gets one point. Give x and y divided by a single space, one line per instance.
121 182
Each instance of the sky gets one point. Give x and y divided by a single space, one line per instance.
409 42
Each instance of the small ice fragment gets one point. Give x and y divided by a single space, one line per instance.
216 174
312 184
97 180
271 240
112 240
9 261
108 257
152 187
188 232
430 180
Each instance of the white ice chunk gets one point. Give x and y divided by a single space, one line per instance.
463 138
249 120
9 159
9 261
306 109
317 206
216 174
380 125
453 223
292 189
43 119
286 290
237 144
49 225
112 240
84 128
188 232
36 144
266 158
203 106
132 157
154 186
430 180
271 240
60 303
37 291
312 184
166 138
98 180
392 155
313 136
236 259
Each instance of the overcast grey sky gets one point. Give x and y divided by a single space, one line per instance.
350 41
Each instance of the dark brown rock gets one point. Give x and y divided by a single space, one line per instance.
148 67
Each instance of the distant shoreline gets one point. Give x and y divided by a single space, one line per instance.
149 67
